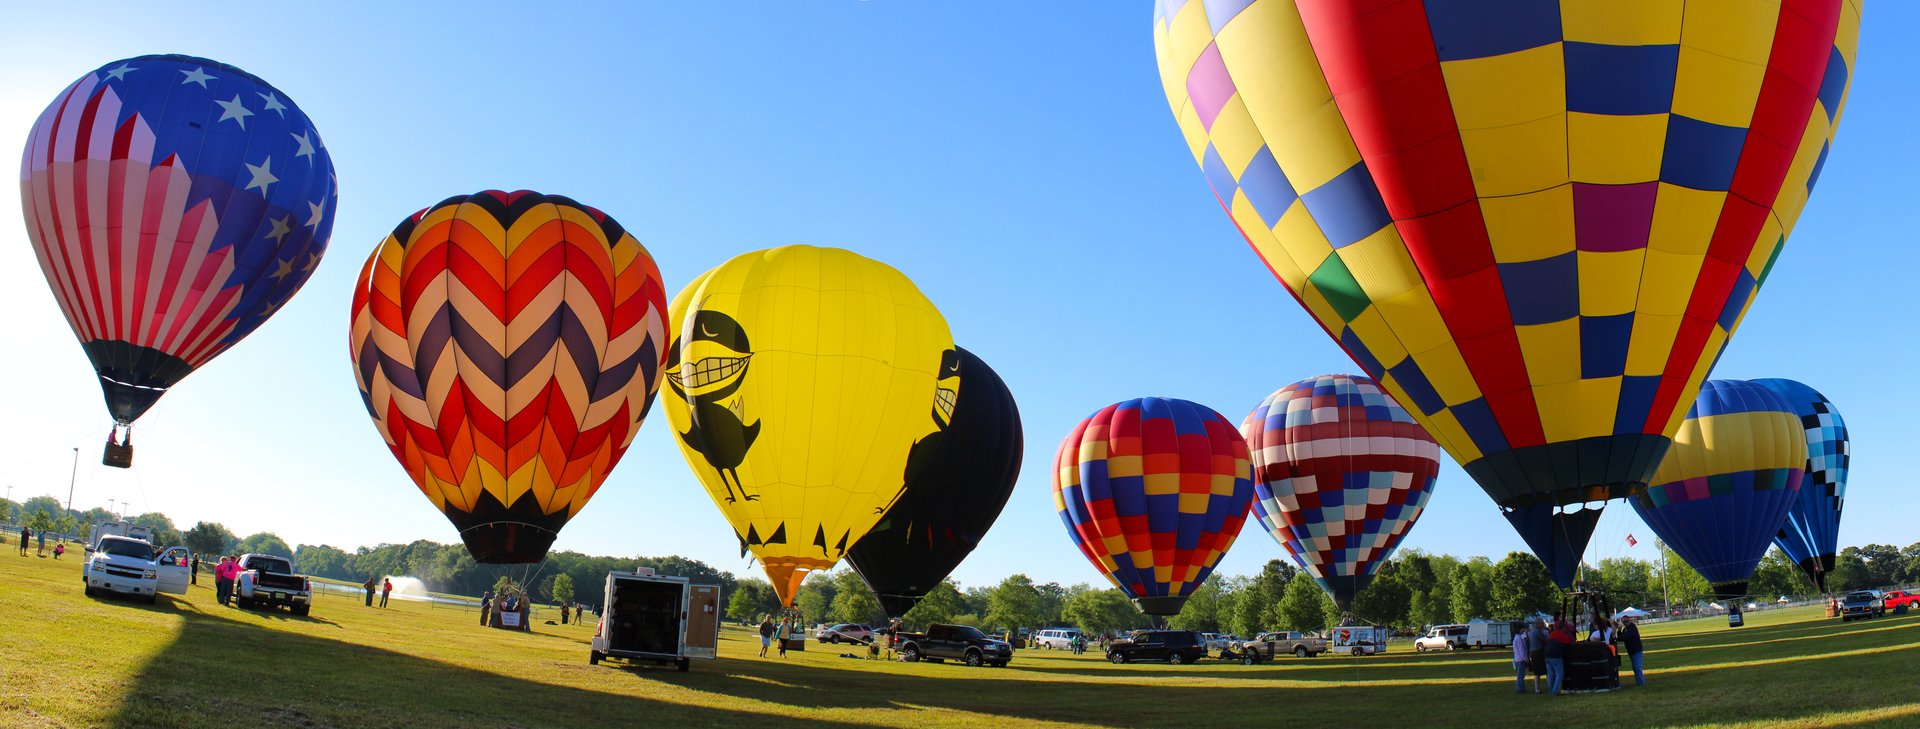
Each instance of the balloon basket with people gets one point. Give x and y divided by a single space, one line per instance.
1592 658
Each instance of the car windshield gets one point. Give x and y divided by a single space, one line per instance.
970 632
270 566
1860 597
126 548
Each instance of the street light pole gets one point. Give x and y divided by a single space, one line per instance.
73 476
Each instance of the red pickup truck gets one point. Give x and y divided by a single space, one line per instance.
1897 598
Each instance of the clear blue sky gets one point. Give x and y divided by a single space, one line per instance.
1016 159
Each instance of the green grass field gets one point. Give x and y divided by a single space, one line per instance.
70 660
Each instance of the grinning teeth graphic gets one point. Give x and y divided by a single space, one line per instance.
945 398
708 371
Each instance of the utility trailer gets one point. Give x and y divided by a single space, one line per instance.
657 618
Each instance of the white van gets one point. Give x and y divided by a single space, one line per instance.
128 566
1051 638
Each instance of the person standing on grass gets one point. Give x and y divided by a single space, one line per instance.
1558 640
41 542
24 534
223 579
786 629
486 605
1522 661
386 588
766 634
369 585
1537 651
193 577
1630 640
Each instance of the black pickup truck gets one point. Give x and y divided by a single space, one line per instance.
958 642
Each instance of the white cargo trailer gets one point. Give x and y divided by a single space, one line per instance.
662 619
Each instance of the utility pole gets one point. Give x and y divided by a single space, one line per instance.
71 477
1665 602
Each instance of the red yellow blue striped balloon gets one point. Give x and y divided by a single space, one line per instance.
1535 222
1153 491
1340 473
507 346
1725 487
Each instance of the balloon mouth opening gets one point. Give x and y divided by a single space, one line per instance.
508 542
1166 605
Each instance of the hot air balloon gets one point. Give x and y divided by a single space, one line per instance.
957 480
174 203
1340 473
1726 484
508 346
1811 534
1537 227
801 379
1153 491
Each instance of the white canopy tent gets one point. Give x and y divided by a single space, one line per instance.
1631 612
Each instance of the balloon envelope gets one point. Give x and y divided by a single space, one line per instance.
801 378
1537 227
1340 473
508 346
1727 483
1811 535
957 481
1153 491
175 203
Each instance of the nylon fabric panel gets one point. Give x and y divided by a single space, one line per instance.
1725 487
508 346
1341 473
1810 535
1153 491
159 193
801 380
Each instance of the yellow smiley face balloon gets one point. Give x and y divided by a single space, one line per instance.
799 379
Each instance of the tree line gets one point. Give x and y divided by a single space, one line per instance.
1412 590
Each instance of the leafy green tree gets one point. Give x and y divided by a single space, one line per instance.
323 561
1304 608
815 599
1910 564
751 599
264 543
1469 590
40 521
211 539
853 601
1849 573
1683 584
1777 575
1014 603
1385 600
562 589
1420 610
164 533
68 525
8 509
1883 564
1627 578
1209 608
43 505
940 605
1251 605
1102 611
1521 587
1053 598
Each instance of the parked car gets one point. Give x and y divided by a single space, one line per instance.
1056 638
1219 642
269 580
129 566
1267 646
1442 638
1173 646
845 633
1862 604
957 642
1895 599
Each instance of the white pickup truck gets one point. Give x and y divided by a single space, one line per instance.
269 580
128 566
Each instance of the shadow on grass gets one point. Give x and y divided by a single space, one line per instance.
221 672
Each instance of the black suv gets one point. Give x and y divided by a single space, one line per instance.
1173 646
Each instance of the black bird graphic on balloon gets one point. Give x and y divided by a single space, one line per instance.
932 448
714 429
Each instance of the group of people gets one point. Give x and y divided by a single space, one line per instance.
224 575
492 606
59 548
784 631
1542 650
383 584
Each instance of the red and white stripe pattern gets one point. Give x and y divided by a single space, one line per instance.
124 253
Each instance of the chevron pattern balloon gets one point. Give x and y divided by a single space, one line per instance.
508 346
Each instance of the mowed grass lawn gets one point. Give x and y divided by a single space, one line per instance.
71 660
